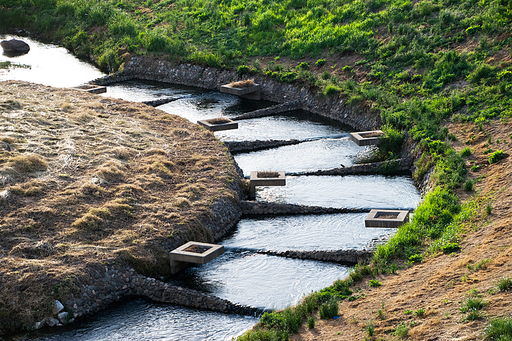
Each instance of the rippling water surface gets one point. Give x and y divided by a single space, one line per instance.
141 320
49 65
353 191
304 233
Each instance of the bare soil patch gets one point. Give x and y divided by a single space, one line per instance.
443 282
85 179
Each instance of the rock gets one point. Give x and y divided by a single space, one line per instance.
57 307
52 322
39 325
15 46
63 316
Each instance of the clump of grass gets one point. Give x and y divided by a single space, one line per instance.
370 329
469 186
472 303
110 171
162 168
28 189
465 152
401 331
420 312
268 174
320 62
408 312
417 258
311 322
329 309
28 163
94 219
499 329
504 284
374 283
247 83
381 314
480 265
218 120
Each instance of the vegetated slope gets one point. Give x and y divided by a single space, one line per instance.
428 300
87 179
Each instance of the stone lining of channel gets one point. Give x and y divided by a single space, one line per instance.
335 107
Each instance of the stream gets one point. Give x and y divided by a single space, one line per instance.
240 275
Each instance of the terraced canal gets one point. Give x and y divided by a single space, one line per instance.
243 274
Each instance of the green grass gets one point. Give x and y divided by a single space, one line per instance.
504 284
499 329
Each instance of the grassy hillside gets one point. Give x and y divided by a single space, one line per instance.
421 64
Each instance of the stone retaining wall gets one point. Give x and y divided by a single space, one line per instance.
111 283
146 68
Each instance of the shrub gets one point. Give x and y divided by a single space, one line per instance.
303 66
243 69
320 62
417 258
329 309
370 328
450 247
496 156
331 90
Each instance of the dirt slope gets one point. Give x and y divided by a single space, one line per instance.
443 282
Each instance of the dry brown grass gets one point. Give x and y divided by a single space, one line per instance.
84 179
247 83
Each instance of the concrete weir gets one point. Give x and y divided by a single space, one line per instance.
397 166
271 208
344 257
271 111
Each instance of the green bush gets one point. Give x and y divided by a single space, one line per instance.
374 283
465 152
450 247
469 186
417 258
243 70
320 62
496 156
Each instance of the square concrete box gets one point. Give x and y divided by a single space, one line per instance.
193 252
252 92
264 178
366 138
94 89
217 124
386 218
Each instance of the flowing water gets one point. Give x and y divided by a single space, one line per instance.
240 275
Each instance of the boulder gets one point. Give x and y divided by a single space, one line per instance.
63 316
57 307
15 46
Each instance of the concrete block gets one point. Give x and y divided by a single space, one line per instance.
366 138
94 89
217 124
195 253
262 178
386 218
